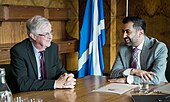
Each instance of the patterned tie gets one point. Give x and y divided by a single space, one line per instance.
134 63
42 62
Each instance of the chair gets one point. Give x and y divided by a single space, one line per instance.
167 73
12 83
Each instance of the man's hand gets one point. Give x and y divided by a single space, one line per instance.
145 75
66 81
117 80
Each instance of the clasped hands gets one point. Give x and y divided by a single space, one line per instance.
145 75
66 81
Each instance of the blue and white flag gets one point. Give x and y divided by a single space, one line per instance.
92 39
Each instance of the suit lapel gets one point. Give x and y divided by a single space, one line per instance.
143 56
128 55
145 53
32 57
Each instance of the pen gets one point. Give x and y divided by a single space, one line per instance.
111 89
163 98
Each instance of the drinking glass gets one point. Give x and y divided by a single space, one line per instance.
26 99
143 87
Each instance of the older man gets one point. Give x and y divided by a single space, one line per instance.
35 60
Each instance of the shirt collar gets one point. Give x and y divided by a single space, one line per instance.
140 46
35 49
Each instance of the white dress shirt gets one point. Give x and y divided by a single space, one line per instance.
38 58
130 78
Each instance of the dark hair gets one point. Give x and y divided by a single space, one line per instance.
138 22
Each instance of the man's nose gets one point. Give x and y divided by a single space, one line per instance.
124 34
50 36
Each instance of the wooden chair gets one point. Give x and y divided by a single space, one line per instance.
167 73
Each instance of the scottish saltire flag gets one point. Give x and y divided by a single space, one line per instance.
92 39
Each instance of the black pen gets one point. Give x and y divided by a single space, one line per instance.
163 98
111 89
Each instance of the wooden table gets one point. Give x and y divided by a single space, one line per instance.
81 93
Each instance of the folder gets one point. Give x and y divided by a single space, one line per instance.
151 98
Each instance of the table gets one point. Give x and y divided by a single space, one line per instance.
81 93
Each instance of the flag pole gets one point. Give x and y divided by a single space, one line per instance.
127 8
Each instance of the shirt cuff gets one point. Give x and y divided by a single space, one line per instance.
127 72
130 79
55 85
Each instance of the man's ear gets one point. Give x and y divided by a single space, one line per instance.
32 36
141 32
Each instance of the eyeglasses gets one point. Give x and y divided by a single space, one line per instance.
46 34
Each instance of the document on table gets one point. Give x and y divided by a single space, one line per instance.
163 89
117 88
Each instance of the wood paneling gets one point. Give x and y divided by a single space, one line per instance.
19 13
157 16
67 46
57 14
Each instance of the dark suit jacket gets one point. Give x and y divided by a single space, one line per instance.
152 58
24 66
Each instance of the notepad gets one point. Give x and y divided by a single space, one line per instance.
117 88
163 89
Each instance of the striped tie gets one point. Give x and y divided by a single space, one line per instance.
134 63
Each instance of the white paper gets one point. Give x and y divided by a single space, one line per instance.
163 89
117 88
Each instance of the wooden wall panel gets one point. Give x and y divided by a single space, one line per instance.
11 32
157 16
120 14
58 29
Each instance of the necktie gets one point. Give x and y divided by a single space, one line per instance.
134 63
42 62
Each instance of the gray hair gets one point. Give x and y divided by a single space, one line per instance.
34 23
